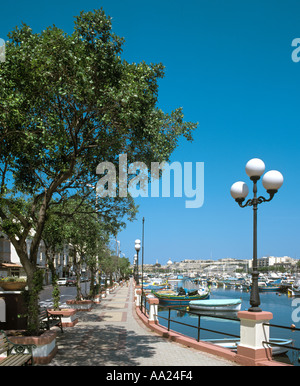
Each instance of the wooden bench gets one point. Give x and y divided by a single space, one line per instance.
16 354
48 320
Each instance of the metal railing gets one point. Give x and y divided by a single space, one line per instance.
198 327
143 307
285 328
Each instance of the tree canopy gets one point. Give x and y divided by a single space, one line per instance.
67 103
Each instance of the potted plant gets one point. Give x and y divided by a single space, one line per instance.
13 283
45 341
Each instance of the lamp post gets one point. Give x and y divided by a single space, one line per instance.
137 248
134 266
271 181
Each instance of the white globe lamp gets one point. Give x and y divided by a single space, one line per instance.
272 180
255 168
239 190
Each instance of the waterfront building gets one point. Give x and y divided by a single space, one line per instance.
209 267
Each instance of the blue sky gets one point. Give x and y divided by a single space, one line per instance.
228 64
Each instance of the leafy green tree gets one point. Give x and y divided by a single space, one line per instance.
124 267
67 103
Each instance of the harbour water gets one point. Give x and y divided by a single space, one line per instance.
285 310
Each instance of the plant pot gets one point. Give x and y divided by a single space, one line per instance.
46 346
81 305
97 298
13 285
68 316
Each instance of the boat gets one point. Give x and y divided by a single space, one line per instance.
296 287
232 344
180 299
269 288
153 287
216 305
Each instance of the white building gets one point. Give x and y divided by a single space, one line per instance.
10 264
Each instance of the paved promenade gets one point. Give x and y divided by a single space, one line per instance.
112 335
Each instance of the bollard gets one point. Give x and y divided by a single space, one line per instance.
253 332
153 308
138 298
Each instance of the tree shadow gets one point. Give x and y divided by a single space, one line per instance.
102 345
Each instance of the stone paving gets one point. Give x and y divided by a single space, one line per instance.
112 335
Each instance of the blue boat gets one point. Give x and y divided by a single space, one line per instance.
269 288
216 305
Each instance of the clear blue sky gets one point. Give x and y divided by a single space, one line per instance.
228 64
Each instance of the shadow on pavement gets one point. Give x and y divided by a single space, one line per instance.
107 345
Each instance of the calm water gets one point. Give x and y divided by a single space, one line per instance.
285 310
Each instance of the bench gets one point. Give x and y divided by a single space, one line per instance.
16 354
48 320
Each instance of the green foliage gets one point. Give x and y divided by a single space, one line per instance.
12 279
67 103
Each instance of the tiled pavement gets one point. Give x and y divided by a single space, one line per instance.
112 335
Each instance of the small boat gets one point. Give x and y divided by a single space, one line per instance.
216 305
175 299
232 344
296 287
269 288
153 287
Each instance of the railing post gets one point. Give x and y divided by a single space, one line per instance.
169 317
153 309
199 328
138 297
253 332
137 287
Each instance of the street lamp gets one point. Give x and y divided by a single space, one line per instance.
134 265
137 248
271 181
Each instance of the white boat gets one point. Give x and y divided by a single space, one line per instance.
296 287
232 344
216 305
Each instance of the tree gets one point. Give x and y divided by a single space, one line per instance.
67 103
109 265
54 238
124 267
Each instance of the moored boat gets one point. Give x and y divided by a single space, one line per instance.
269 288
277 349
180 300
216 305
296 287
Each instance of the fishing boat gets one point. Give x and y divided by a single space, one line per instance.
232 344
296 287
268 288
216 305
151 287
180 299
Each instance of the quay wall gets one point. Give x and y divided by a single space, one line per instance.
209 348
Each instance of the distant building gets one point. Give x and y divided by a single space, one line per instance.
226 265
270 261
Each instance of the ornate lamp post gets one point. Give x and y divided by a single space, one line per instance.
137 248
271 181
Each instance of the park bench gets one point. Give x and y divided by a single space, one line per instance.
48 320
16 354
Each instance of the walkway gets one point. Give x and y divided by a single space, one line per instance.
112 335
